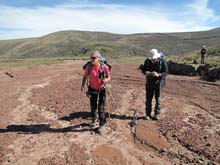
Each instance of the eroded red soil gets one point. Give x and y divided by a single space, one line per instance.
45 119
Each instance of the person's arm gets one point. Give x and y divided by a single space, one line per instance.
83 83
84 79
108 77
148 73
145 70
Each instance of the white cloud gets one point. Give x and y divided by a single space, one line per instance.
201 10
96 17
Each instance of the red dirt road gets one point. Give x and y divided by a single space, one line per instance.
45 119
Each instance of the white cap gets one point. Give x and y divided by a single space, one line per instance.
155 54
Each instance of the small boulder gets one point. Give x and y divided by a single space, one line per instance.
213 74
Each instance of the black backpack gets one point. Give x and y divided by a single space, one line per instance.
102 61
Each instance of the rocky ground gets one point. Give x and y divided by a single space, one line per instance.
45 119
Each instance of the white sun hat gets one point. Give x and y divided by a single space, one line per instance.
154 54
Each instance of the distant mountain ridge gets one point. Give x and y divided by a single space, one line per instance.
75 43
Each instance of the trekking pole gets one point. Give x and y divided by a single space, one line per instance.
112 97
133 125
107 104
134 119
107 91
115 102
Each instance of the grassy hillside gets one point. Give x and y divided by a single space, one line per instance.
78 43
212 57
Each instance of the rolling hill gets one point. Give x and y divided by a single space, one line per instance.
76 43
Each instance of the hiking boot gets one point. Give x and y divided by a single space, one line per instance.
157 117
93 123
101 129
147 117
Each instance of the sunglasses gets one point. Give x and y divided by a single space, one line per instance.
93 58
154 60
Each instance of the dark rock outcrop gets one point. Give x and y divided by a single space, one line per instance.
213 74
203 70
209 73
181 69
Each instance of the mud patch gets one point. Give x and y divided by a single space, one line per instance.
147 133
106 154
49 123
75 155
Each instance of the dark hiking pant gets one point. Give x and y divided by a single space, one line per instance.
98 99
202 59
153 89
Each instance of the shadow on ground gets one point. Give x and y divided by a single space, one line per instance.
86 115
39 128
83 127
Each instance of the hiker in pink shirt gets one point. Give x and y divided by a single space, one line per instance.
98 76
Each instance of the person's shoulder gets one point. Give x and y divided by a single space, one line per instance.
147 60
86 65
89 65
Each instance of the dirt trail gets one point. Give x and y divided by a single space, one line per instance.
45 119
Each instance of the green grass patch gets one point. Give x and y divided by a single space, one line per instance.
29 62
130 59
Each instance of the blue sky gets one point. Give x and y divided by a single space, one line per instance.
33 18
